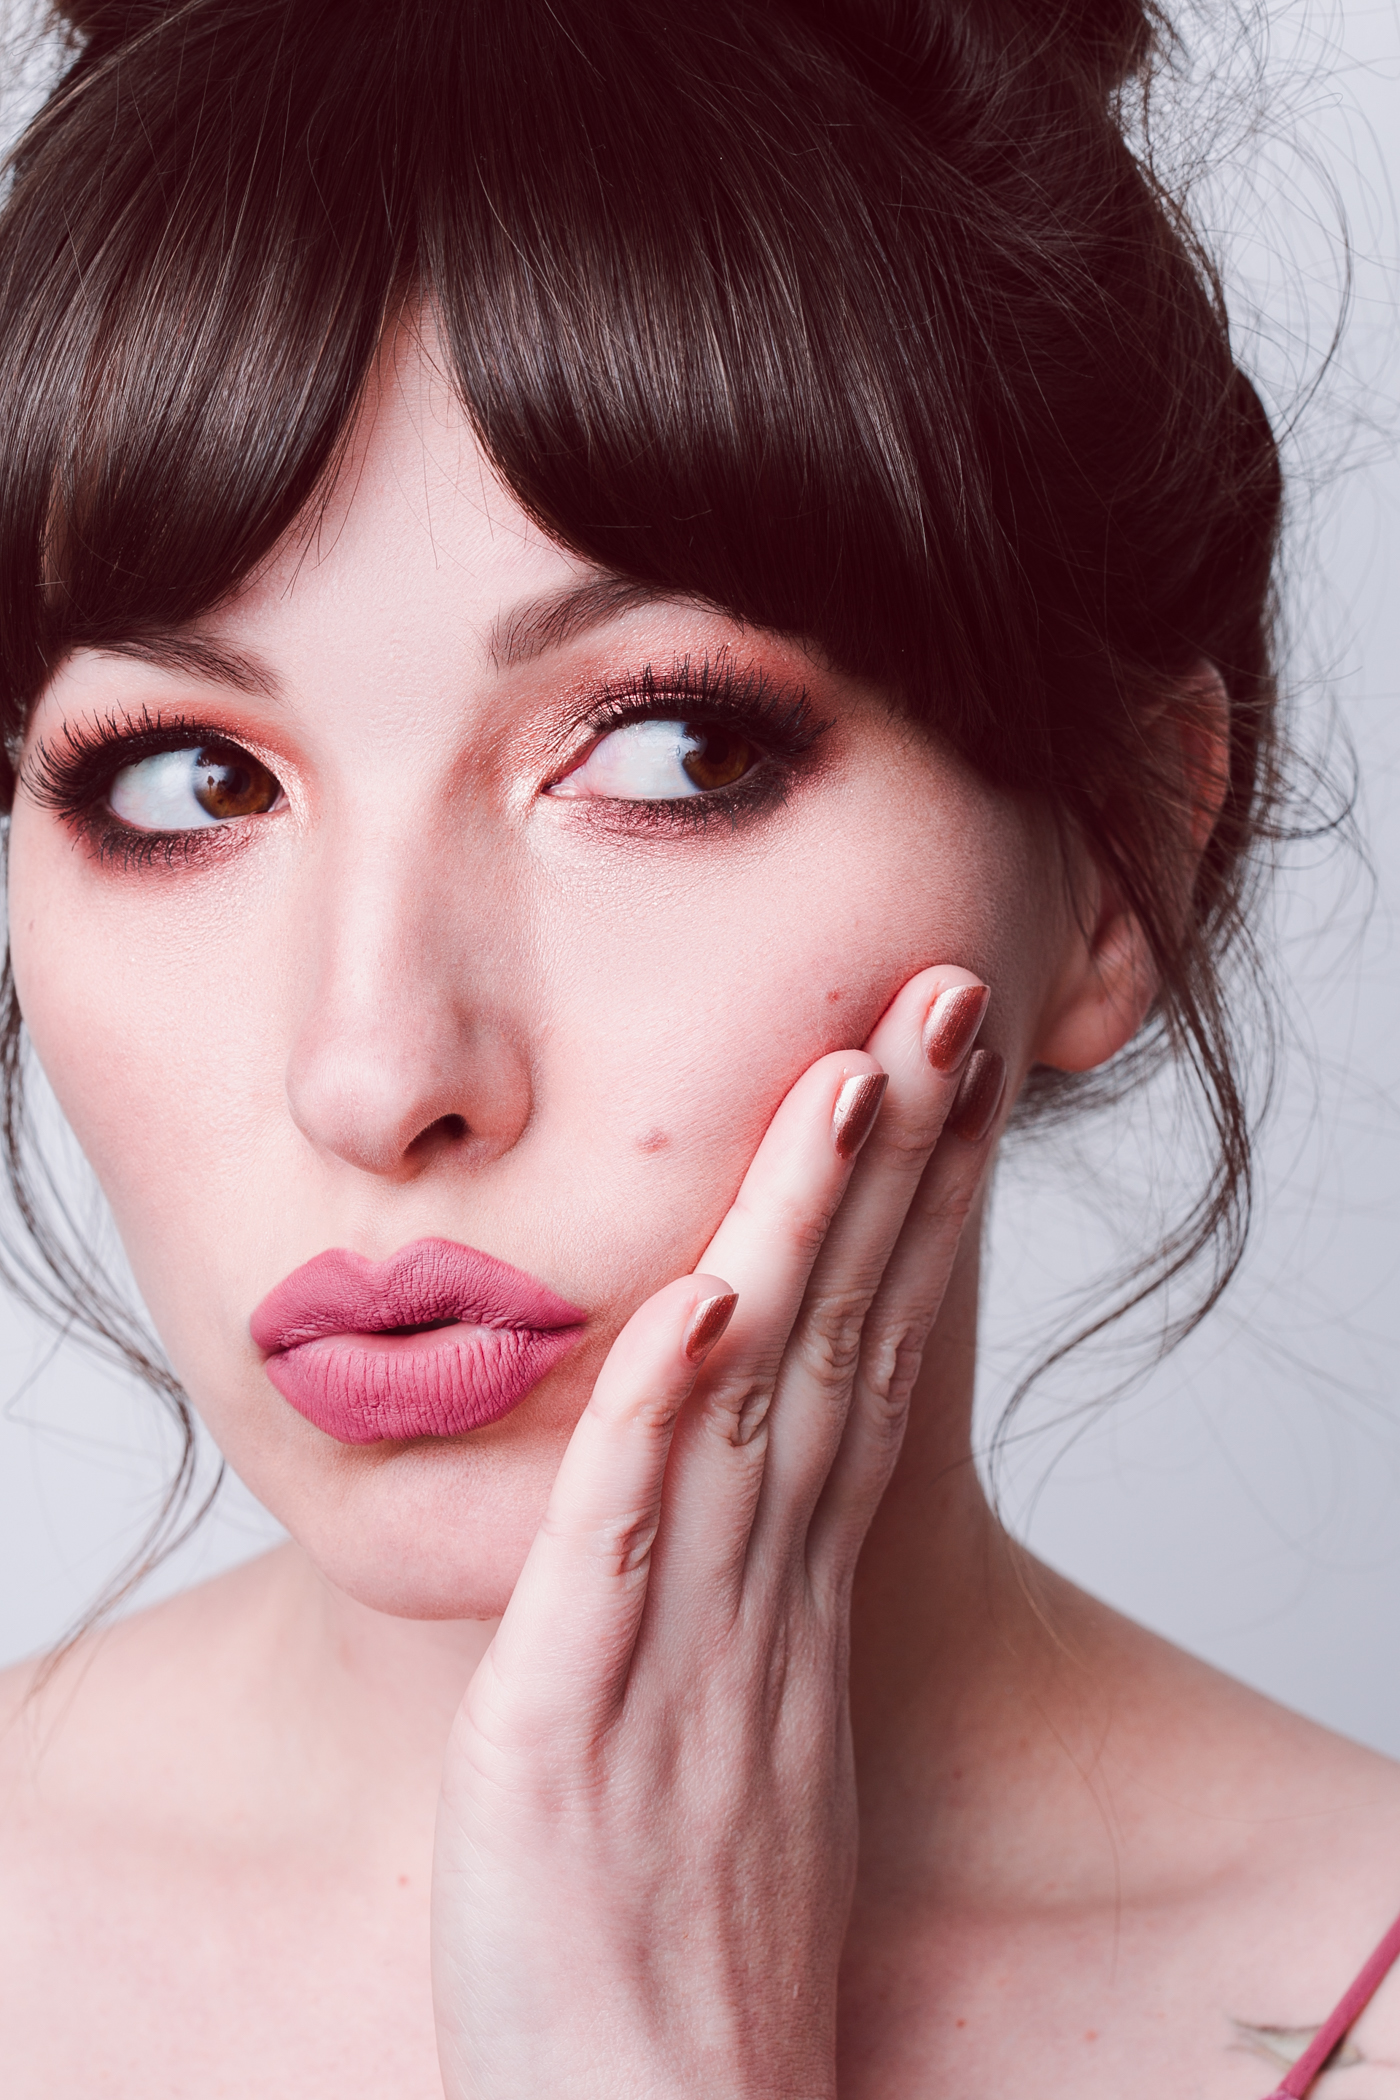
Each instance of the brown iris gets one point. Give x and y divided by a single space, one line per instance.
718 755
231 783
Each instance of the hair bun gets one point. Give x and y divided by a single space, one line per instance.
893 41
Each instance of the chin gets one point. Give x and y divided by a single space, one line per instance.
432 1530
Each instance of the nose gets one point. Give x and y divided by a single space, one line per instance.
404 1044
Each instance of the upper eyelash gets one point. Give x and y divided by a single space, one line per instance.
70 777
785 720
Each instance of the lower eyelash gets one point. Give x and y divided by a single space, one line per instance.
764 791
118 845
73 779
779 721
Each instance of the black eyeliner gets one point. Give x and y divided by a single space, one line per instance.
782 719
779 720
68 777
72 778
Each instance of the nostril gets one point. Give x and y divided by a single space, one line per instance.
447 1130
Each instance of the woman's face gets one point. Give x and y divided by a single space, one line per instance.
488 970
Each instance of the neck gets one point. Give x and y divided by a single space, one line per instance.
968 1677
950 1632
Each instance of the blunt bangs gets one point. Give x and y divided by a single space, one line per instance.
738 307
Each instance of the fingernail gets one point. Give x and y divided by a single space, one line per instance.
707 1323
953 1021
857 1106
979 1096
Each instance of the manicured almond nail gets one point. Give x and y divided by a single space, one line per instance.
707 1323
953 1021
857 1106
979 1096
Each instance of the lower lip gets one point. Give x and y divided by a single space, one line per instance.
378 1388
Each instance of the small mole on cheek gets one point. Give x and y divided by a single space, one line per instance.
654 1141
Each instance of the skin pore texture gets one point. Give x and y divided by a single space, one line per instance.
424 997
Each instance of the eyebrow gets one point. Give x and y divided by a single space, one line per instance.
546 623
527 631
214 663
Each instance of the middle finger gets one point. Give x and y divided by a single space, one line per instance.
923 1041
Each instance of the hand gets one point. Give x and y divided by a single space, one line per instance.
647 1835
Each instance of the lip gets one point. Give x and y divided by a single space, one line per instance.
328 1333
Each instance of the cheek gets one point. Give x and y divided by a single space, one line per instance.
690 1003
141 1019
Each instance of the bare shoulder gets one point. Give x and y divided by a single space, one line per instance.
188 1900
1143 1877
1315 1890
1268 1849
102 1735
127 1793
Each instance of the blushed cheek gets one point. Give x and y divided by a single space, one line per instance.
687 1016
133 1045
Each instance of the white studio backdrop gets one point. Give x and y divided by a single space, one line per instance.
1245 1499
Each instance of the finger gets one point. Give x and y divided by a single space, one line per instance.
766 1244
719 1484
560 1655
776 1226
941 1009
902 1314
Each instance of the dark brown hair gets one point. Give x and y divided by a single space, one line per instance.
857 318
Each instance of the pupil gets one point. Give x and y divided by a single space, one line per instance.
231 783
720 756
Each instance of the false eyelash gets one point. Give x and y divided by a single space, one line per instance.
783 721
780 722
69 776
71 779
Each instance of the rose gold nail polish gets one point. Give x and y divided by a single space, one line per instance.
707 1323
857 1105
979 1096
953 1021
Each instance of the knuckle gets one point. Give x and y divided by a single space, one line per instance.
617 1545
803 1225
907 1141
737 1409
889 1367
946 1204
655 1418
830 1342
648 1418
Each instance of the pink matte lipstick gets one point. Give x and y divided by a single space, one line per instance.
436 1340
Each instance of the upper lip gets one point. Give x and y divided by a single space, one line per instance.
427 1282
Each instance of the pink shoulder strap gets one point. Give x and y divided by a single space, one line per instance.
1334 2030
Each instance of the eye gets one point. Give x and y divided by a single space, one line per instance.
187 790
662 761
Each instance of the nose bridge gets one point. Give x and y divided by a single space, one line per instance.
402 1036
